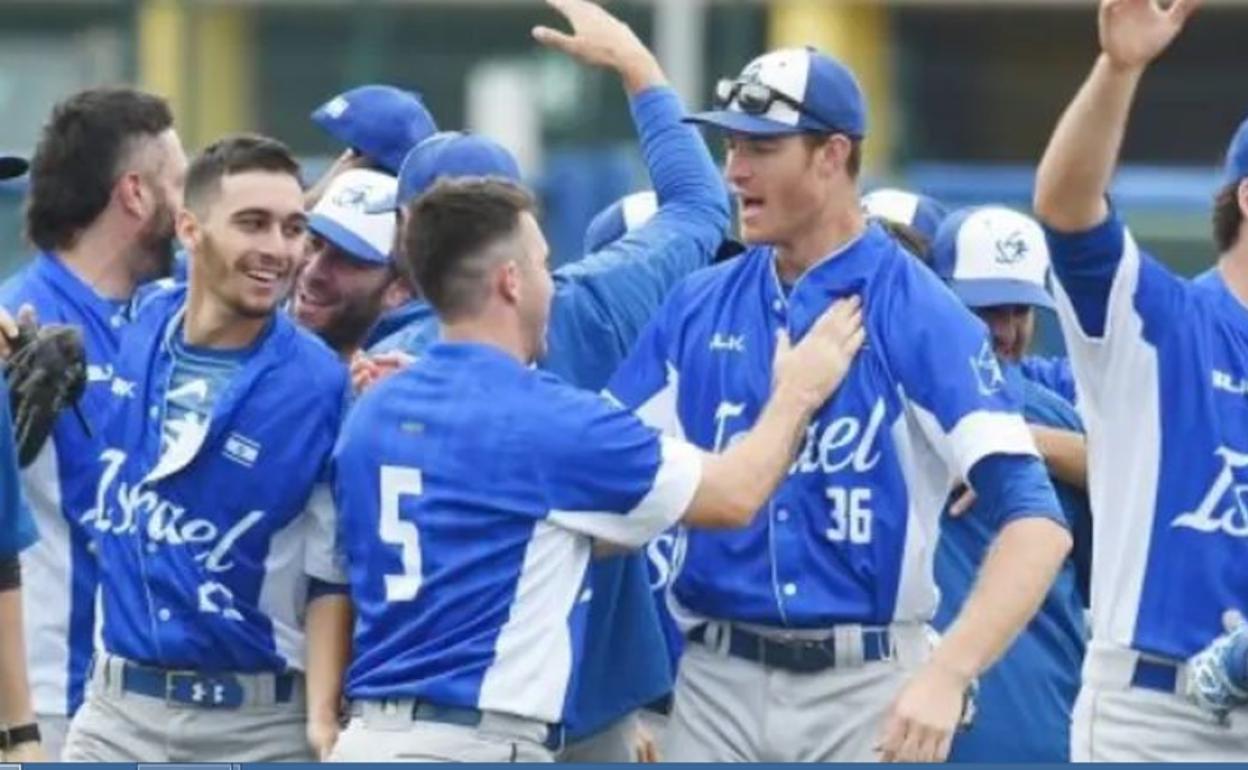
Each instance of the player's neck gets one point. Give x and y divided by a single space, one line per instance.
208 323
99 258
485 331
836 227
1233 265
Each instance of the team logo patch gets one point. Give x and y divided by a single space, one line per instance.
1011 249
987 371
241 450
336 107
732 343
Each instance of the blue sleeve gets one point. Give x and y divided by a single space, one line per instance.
602 302
17 528
606 474
950 377
1088 265
1053 373
1016 487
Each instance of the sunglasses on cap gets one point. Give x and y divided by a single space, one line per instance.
754 98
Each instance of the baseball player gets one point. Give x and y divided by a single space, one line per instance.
105 182
19 732
1160 364
473 485
806 636
213 522
996 261
599 307
347 281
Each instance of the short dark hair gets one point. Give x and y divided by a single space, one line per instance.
910 239
235 154
1227 218
853 163
79 157
447 230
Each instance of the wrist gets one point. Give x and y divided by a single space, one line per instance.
1133 70
640 70
961 672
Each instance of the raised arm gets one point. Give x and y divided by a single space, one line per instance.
603 301
1075 172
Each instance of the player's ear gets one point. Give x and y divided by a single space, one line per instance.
188 229
130 193
509 281
1242 196
836 150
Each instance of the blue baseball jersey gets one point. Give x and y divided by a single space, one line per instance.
1162 368
17 528
60 570
207 543
601 303
850 536
1054 373
470 488
1024 702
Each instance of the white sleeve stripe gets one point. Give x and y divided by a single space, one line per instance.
1121 295
980 434
678 477
322 558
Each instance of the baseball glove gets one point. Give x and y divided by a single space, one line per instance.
46 373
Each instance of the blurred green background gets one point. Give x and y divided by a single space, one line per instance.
962 93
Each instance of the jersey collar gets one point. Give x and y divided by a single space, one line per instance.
51 269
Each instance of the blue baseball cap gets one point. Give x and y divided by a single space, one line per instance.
450 154
789 91
991 255
12 166
616 220
1237 155
382 122
916 210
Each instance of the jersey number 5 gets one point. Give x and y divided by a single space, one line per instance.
397 482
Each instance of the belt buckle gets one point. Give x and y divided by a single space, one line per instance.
195 689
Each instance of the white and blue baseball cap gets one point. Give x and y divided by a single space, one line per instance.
1237 156
381 122
789 91
615 221
912 209
343 215
992 255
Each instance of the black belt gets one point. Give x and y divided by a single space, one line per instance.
424 711
799 656
194 688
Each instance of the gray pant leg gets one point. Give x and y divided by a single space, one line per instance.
833 716
614 744
53 729
275 733
1137 725
111 729
718 707
430 742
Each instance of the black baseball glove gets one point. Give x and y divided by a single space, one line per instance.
46 373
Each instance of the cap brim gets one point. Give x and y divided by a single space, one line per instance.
346 240
743 123
12 166
995 292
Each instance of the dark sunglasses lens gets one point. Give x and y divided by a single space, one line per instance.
723 91
753 98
